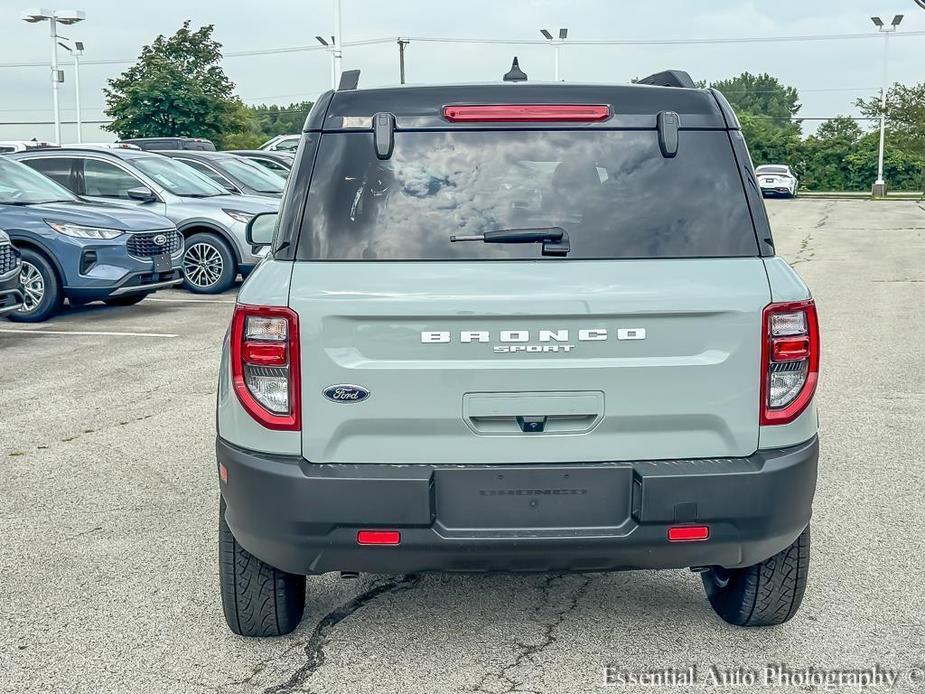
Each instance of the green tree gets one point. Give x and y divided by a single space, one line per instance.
279 120
840 128
905 113
824 155
765 108
176 88
764 96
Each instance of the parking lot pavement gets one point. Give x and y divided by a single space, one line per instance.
108 507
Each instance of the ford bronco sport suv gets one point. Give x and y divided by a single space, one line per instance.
518 328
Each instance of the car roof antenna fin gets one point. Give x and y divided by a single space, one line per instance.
515 74
349 79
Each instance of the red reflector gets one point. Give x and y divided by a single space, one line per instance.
524 113
264 354
789 348
378 537
688 533
223 473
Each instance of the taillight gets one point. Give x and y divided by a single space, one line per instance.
265 364
527 113
789 360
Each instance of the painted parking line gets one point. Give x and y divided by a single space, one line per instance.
193 301
42 331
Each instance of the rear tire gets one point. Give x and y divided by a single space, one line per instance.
127 299
258 600
42 290
765 594
209 266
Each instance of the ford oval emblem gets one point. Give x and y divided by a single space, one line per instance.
159 240
346 392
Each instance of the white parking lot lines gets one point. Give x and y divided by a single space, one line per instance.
193 301
40 331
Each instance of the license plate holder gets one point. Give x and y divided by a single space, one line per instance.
511 498
161 263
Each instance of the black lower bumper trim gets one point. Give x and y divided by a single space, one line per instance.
11 296
146 282
303 517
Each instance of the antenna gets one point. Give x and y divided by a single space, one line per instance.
515 74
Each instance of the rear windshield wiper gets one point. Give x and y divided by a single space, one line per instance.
554 239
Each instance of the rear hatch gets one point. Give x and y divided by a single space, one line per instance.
642 342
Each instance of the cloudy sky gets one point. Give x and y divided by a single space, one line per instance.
829 74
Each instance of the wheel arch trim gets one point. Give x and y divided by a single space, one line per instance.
187 229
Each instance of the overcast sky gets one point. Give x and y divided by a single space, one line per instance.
829 74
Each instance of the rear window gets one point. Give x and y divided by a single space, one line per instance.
612 192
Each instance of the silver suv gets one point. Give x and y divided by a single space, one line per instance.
519 328
211 220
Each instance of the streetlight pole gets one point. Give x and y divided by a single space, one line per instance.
879 187
401 58
77 51
556 42
54 17
330 47
337 40
56 77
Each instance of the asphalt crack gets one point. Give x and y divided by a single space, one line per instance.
528 652
314 647
805 252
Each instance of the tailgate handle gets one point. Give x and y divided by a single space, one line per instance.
533 413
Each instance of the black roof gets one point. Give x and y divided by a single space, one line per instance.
421 107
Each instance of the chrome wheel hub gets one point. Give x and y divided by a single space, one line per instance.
203 264
33 285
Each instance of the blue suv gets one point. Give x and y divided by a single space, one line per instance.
81 251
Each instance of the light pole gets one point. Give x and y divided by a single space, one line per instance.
330 47
54 17
401 58
879 187
337 40
556 42
77 51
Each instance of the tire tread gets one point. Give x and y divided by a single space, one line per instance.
767 593
257 599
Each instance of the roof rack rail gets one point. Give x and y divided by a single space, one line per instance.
349 79
669 78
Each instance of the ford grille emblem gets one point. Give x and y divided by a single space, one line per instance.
345 392
159 240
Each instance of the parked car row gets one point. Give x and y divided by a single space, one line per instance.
117 223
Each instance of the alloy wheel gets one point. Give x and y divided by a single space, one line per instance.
33 285
203 265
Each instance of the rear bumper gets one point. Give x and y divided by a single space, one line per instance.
776 190
303 518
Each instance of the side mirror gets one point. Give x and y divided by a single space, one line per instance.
260 229
142 194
